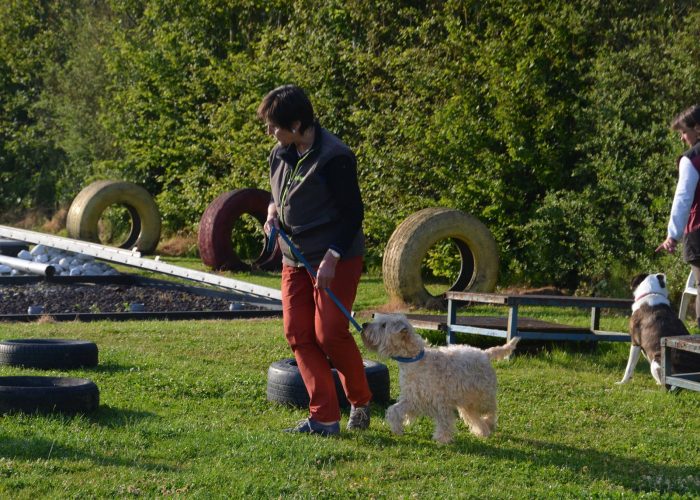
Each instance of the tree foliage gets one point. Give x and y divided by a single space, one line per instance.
547 120
30 163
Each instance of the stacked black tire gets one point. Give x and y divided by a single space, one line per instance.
32 394
48 353
285 385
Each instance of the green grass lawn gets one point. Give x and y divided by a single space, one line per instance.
184 412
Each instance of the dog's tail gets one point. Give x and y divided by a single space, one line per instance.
502 351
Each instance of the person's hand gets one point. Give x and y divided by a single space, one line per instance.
326 271
271 222
669 245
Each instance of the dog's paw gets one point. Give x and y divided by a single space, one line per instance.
480 431
395 426
398 431
394 417
657 372
442 438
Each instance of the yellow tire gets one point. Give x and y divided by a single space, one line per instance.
410 242
91 202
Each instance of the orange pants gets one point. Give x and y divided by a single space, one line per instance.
317 331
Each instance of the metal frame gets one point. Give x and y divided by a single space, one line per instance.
513 302
684 380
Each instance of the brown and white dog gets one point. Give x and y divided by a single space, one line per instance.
652 319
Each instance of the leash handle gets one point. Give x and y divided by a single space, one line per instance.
308 267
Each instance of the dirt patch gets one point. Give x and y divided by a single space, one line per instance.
178 245
85 298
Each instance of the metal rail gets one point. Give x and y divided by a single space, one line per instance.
134 259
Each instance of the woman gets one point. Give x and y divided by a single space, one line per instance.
316 201
685 211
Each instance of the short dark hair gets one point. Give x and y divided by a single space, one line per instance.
688 119
285 105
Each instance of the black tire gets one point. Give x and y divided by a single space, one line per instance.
285 385
216 225
11 248
48 353
92 201
410 242
48 395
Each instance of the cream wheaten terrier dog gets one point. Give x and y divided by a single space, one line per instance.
434 382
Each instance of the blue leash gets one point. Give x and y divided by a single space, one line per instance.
308 267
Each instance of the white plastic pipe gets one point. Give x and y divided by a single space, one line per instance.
28 266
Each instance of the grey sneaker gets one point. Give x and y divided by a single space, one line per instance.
359 418
309 426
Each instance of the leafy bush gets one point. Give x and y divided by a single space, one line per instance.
546 120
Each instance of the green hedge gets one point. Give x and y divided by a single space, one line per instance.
548 120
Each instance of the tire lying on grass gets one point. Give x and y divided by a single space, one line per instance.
410 242
216 225
48 394
48 353
285 385
87 208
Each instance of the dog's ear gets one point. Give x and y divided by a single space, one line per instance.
662 280
637 280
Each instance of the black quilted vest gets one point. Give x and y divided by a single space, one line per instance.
305 205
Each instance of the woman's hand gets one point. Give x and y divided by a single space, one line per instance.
269 224
272 220
326 271
669 245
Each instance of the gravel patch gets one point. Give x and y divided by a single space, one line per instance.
86 298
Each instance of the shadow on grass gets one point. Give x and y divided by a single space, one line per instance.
634 474
112 418
609 355
36 448
110 368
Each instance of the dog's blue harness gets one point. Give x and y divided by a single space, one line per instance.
415 358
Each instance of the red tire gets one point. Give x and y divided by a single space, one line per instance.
216 227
